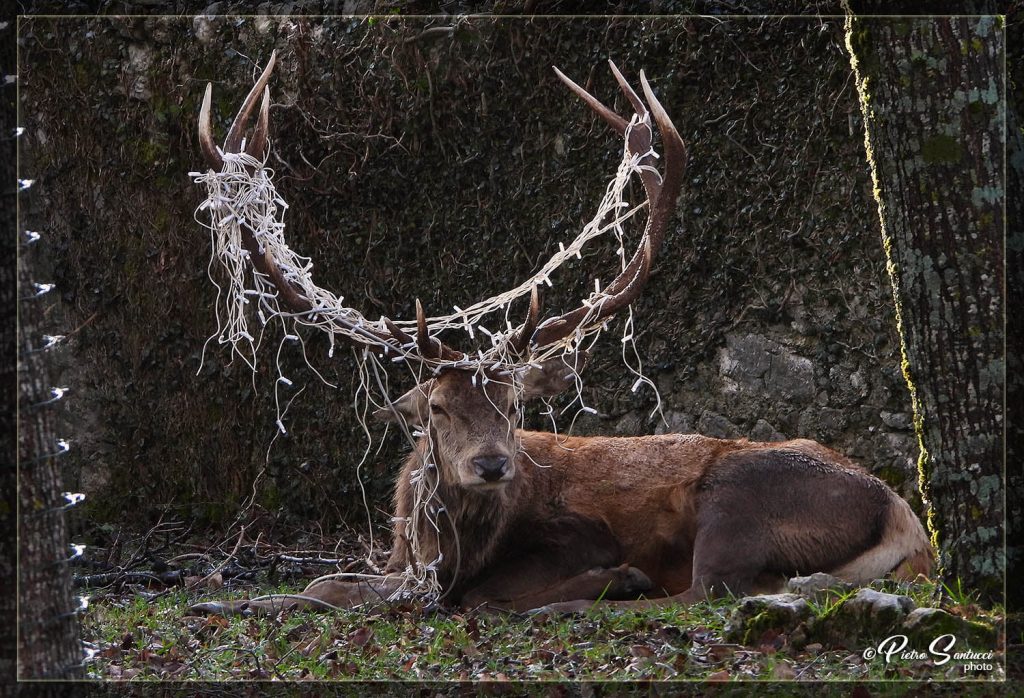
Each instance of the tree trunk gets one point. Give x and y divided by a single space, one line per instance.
48 639
1014 326
48 644
8 305
932 95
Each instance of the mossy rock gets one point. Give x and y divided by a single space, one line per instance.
923 625
755 615
818 586
867 616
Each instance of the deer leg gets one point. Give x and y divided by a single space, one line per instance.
596 583
527 585
326 595
727 558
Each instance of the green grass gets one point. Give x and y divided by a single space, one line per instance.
153 640
830 600
959 596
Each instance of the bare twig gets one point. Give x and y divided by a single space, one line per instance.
221 566
431 33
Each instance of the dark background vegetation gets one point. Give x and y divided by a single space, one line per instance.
448 166
119 439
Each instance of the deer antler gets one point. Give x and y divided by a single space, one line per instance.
263 261
390 340
662 193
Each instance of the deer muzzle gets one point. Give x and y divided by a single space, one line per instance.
491 468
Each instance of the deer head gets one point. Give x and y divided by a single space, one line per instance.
469 408
472 423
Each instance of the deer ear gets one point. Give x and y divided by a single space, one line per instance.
553 376
413 407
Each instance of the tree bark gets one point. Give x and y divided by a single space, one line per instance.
932 95
1015 299
48 638
8 304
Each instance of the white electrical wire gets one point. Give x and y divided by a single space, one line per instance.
243 193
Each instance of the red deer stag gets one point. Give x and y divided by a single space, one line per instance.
534 519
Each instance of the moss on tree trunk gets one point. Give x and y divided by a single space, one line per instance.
1014 328
932 96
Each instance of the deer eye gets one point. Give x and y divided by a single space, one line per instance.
438 410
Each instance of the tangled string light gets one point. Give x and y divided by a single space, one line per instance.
243 194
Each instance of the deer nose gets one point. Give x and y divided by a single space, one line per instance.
490 468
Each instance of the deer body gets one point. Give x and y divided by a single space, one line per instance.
676 517
522 519
764 512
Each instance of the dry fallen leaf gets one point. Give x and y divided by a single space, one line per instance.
110 652
641 651
718 652
299 631
217 622
307 648
360 636
783 672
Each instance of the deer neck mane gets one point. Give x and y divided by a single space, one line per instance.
475 518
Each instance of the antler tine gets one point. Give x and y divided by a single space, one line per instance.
675 153
431 348
234 137
233 140
613 119
423 341
206 143
639 138
661 195
521 340
638 105
396 331
258 141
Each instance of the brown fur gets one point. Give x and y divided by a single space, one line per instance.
675 517
795 506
